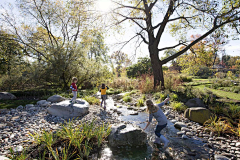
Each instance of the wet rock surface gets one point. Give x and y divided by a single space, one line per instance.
127 135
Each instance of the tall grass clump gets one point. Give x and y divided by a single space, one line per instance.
234 111
140 102
123 83
70 142
178 106
92 100
217 125
146 84
171 82
127 99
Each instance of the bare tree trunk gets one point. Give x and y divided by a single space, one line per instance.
157 69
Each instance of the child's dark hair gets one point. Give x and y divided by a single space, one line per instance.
74 79
103 86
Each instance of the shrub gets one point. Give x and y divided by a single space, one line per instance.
92 100
123 83
127 99
234 111
140 102
220 75
216 125
146 84
178 106
174 97
171 82
185 79
217 108
230 74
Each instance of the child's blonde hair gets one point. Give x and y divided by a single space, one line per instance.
151 108
74 79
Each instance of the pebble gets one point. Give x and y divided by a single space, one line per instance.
16 125
184 137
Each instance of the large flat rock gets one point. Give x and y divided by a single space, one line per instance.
127 135
67 110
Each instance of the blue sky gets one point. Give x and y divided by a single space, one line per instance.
232 48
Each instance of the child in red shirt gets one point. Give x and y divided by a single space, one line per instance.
74 89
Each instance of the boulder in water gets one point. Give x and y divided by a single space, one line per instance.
67 110
123 135
195 102
6 96
197 114
55 99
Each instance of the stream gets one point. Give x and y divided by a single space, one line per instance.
191 148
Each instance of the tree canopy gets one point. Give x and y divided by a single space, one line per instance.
152 19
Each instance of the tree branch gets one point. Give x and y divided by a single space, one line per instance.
165 20
180 43
189 46
143 38
124 6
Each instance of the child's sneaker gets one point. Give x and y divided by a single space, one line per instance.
70 101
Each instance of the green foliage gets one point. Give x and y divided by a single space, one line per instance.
220 75
178 106
17 156
174 97
221 83
217 109
143 66
160 96
77 142
127 99
140 102
216 125
185 78
234 111
144 97
15 103
92 100
112 91
122 60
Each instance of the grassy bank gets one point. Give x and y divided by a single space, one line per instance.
7 104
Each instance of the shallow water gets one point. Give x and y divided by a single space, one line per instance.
177 145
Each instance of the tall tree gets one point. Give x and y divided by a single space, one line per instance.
121 60
51 32
153 17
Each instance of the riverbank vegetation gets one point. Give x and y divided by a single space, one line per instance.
70 142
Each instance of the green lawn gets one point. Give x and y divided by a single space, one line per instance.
15 103
220 93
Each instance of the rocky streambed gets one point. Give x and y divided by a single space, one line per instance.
189 140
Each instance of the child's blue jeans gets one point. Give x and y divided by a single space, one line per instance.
159 128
